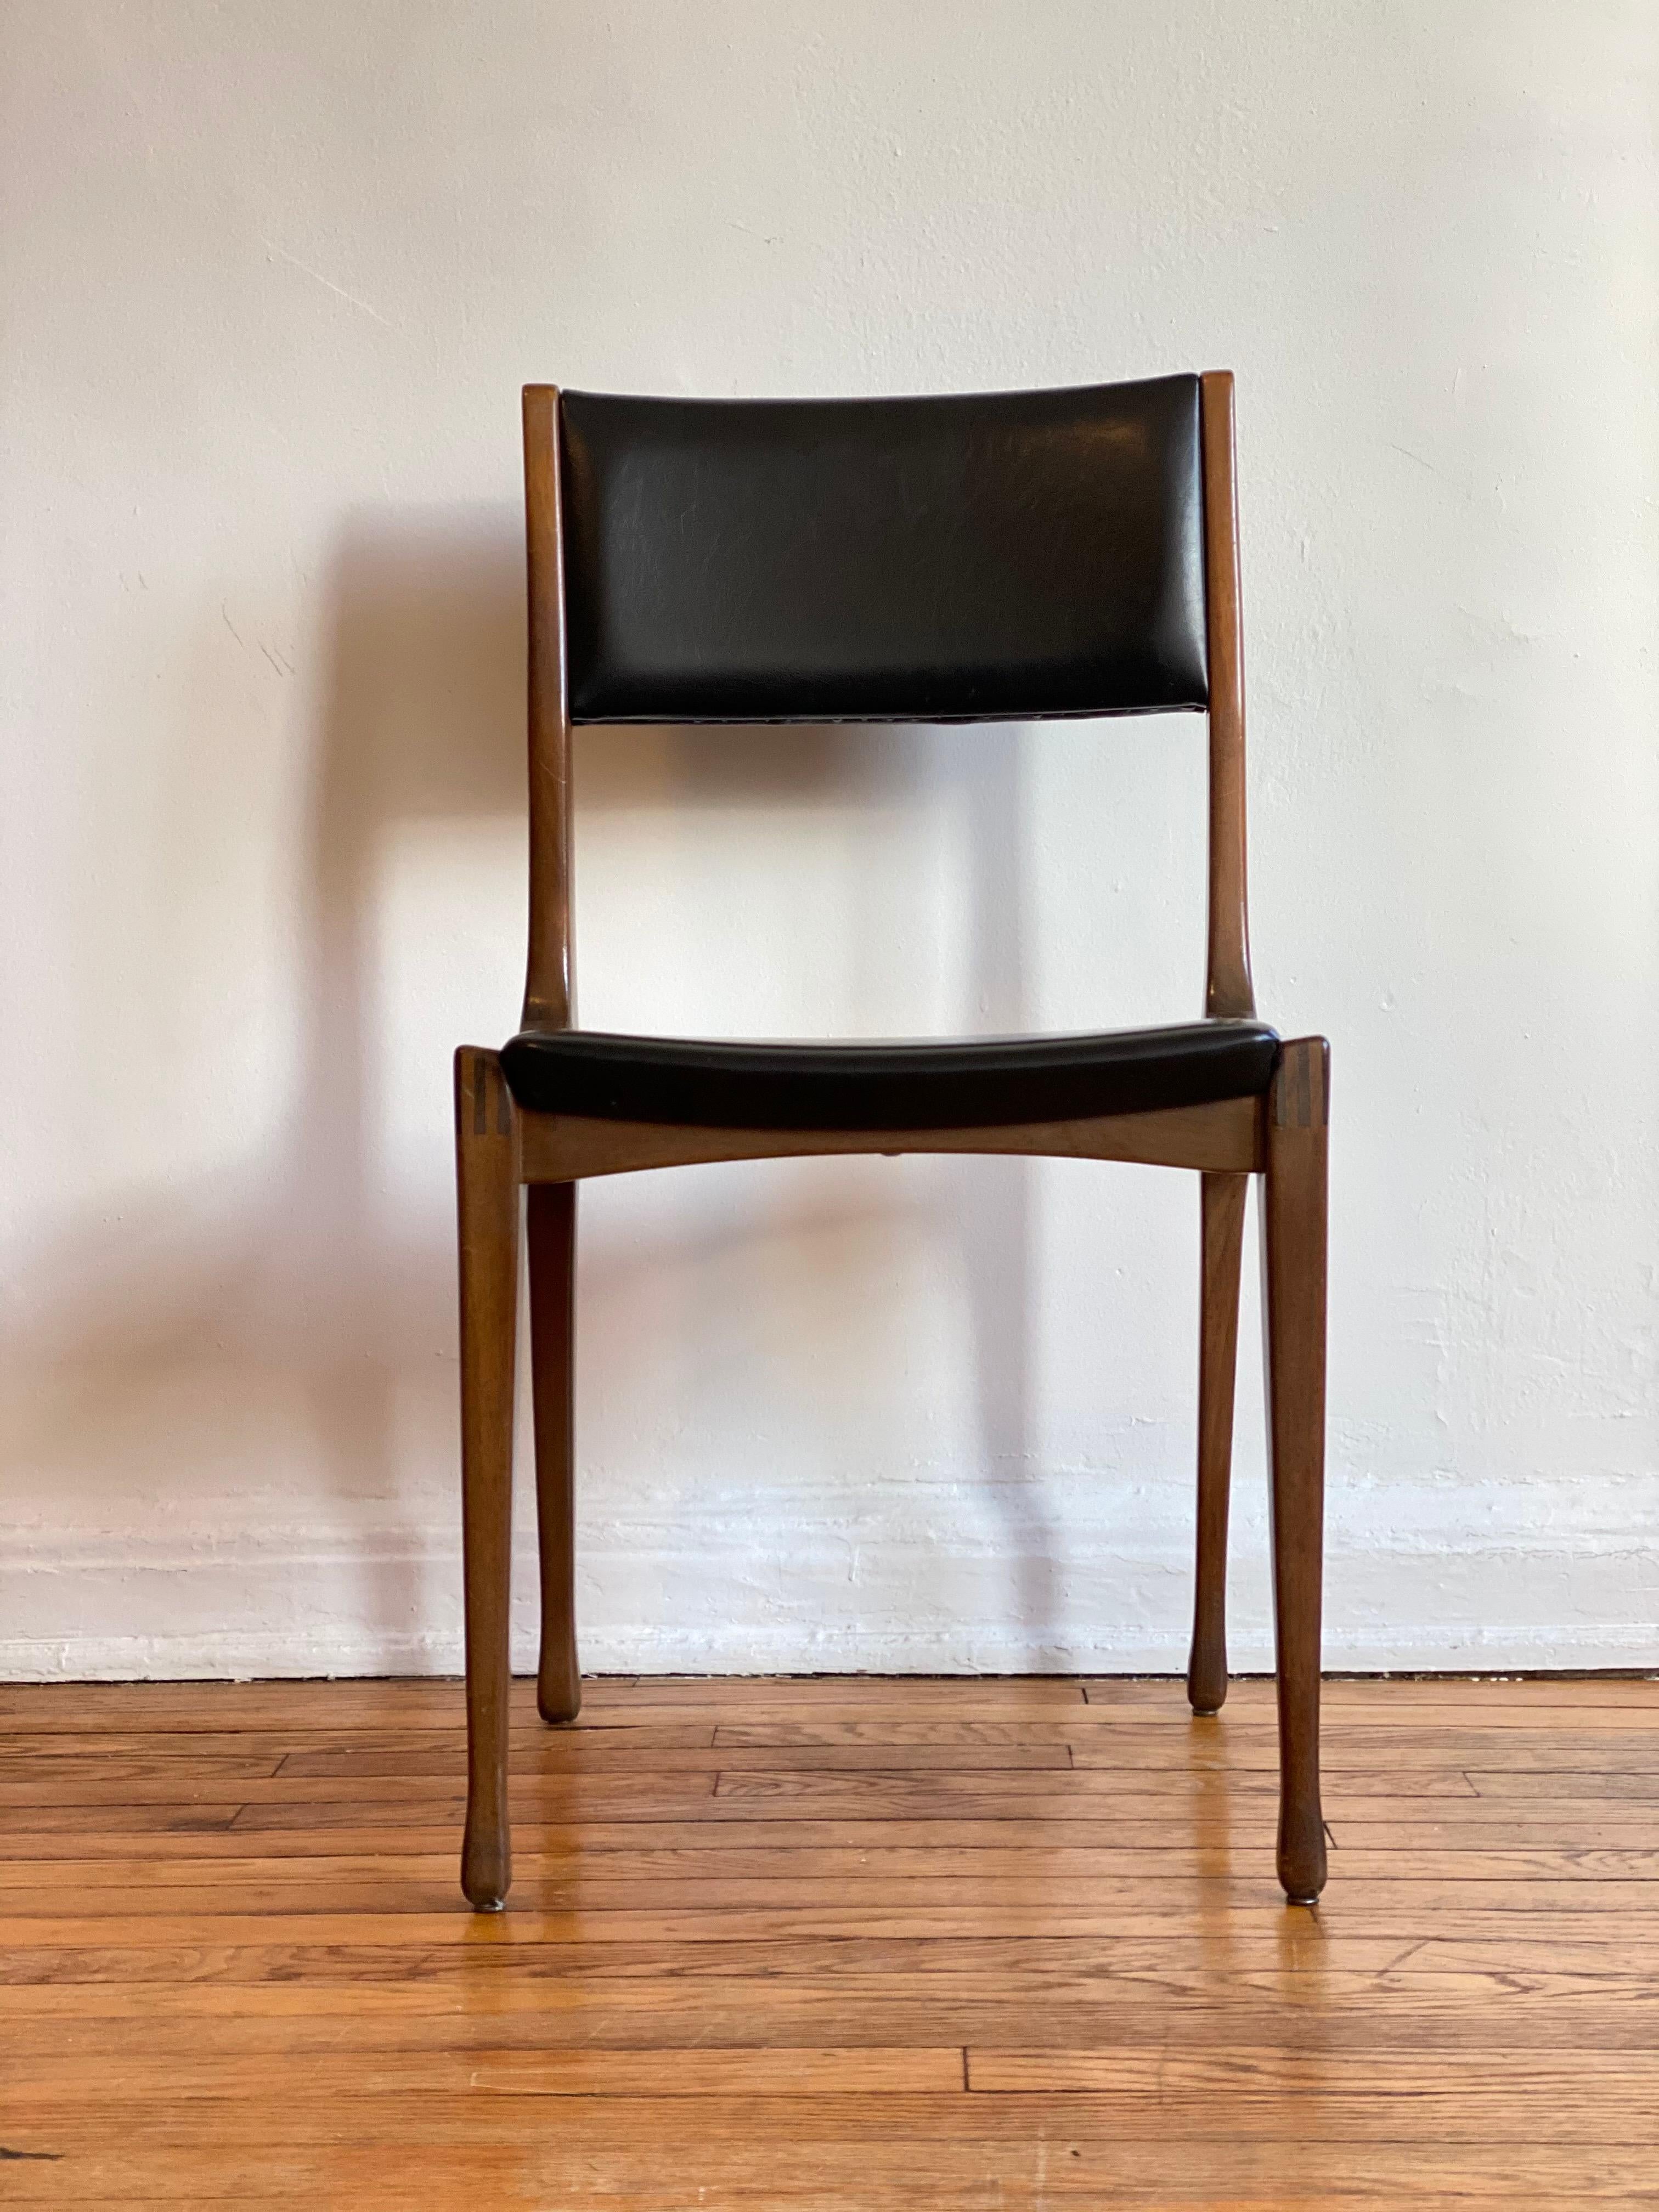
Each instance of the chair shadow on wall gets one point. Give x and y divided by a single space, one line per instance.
426 723
299 1301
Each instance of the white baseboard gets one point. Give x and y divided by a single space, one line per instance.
1419 1576
238 1656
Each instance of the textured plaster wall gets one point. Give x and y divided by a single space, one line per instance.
271 276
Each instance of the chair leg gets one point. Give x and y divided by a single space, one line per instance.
1294 1222
1218 1362
551 1231
486 1191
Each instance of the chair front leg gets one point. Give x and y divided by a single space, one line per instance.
486 1191
1221 1262
551 1232
1294 1217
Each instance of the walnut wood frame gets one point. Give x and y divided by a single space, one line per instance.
502 1149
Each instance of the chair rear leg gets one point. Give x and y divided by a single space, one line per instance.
487 1192
1217 1361
550 1230
1295 1238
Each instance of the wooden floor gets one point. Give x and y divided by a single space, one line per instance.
852 1945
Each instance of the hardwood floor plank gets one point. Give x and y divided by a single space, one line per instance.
1223 1810
438 1701
567 2142
990 2002
771 1850
93 1777
371 1885
441 1701
1596 2086
875 2193
1078 1963
1404 1692
860 1883
1049 2168
1346 1750
712 1920
1247 1733
592 1752
1089 1794
684 1780
1553 1722
1338 1938
36 2077
1406 2014
1517 1781
622 2132
870 1886
848 1693
1237 1831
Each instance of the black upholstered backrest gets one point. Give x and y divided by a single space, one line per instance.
1000 556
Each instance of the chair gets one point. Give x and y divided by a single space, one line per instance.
1002 557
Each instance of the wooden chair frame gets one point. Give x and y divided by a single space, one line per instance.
501 1148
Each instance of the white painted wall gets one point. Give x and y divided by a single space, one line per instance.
272 272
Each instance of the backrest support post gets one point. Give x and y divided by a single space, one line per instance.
548 982
1228 991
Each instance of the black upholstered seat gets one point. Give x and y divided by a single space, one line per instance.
973 1082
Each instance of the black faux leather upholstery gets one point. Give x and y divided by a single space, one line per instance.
975 1082
1002 556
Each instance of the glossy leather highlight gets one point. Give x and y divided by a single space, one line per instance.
1001 557
972 1083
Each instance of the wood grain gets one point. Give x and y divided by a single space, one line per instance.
1228 990
1221 1258
1293 1268
1228 1133
487 1213
1009 1947
549 984
551 1242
